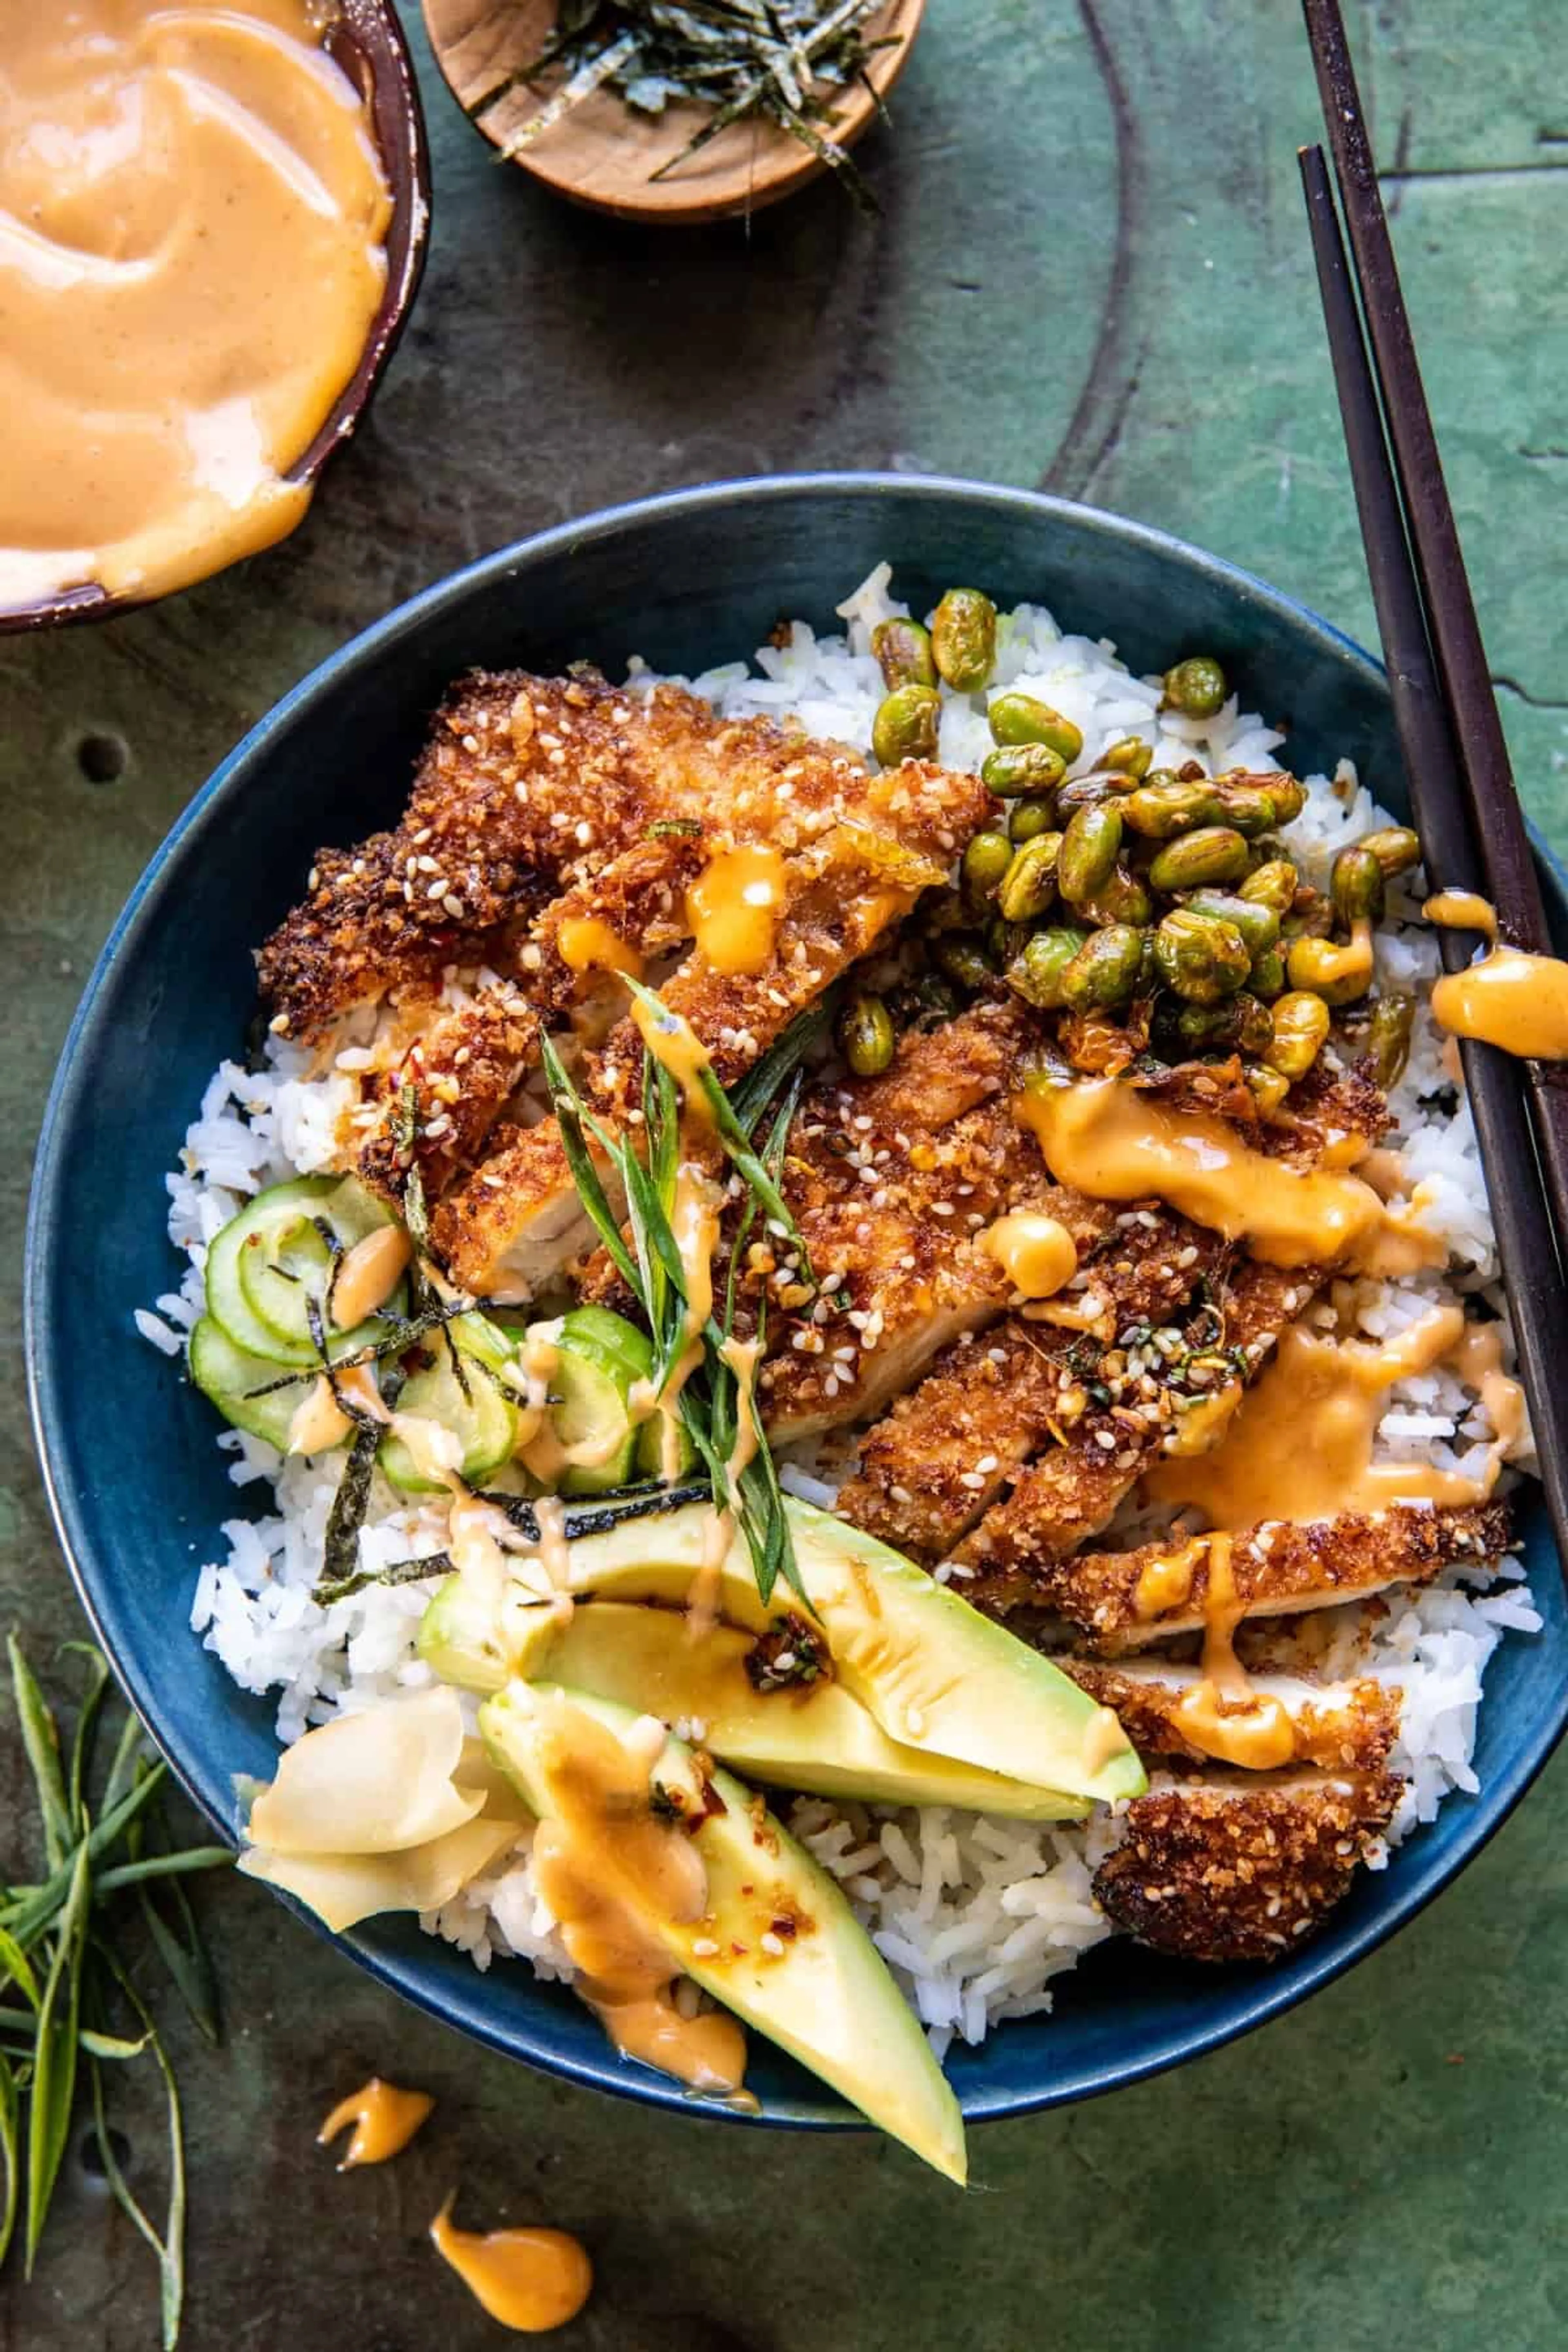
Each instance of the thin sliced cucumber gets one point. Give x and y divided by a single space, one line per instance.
278 1219
602 1358
650 1450
232 1379
460 1390
283 1262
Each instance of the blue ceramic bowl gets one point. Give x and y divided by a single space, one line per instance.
685 581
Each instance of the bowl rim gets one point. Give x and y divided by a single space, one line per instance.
1422 1875
367 39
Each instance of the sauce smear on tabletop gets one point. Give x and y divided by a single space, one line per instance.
529 2280
384 2118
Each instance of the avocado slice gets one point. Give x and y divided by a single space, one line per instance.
934 1673
811 1735
825 1995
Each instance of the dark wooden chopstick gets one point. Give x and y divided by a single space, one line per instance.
1527 1243
1507 861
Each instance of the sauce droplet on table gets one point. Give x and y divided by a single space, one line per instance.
530 2280
384 2118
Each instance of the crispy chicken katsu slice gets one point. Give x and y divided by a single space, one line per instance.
1340 1726
527 786
855 851
846 1126
1074 1489
945 1451
1125 1600
464 1066
893 1217
1225 1869
929 1466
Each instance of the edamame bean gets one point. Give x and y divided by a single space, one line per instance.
1213 853
1196 687
906 725
963 638
903 653
865 1036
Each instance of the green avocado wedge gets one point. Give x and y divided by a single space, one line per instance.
825 1995
934 1672
809 1736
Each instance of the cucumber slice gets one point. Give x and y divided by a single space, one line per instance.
229 1377
484 1418
650 1451
283 1262
263 1311
602 1358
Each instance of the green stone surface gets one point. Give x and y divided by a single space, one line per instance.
1091 271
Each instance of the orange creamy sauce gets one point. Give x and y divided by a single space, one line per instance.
1300 1444
1036 1254
1516 1002
734 905
529 2280
676 1046
384 2120
602 1863
1111 1141
192 215
1300 1448
586 944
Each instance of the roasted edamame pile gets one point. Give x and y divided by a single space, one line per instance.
1159 897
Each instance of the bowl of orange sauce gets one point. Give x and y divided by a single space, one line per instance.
212 222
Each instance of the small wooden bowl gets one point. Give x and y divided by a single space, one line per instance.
602 154
368 42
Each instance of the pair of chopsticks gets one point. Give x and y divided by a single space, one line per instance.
1455 759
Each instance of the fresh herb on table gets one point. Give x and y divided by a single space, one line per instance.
65 1989
709 1401
785 61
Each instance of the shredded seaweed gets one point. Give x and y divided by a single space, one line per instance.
645 1500
339 1549
789 61
401 1571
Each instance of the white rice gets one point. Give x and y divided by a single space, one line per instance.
976 1916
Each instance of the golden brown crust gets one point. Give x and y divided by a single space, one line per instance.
522 782
1075 1488
1210 1872
529 786
936 1458
857 849
1343 1727
1276 1567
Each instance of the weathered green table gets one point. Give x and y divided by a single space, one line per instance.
1091 272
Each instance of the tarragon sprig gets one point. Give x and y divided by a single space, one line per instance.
62 1977
649 1263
